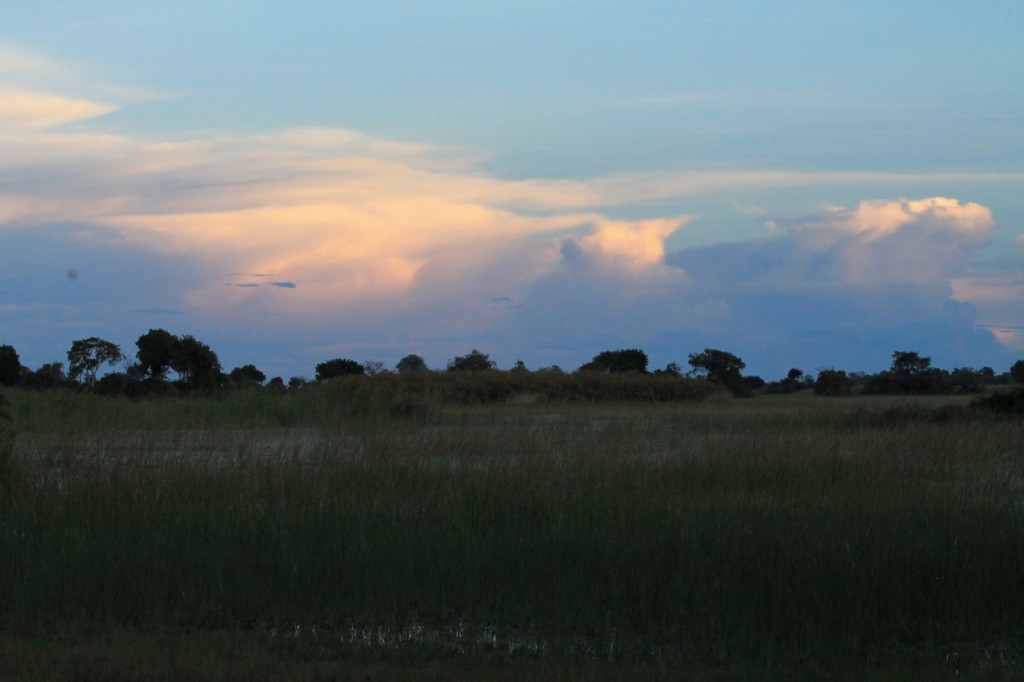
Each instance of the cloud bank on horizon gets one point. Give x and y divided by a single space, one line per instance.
289 247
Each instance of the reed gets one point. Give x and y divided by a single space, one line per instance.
774 533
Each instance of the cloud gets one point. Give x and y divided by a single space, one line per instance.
842 283
28 109
336 238
632 245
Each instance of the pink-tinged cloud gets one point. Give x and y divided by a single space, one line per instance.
846 280
20 109
408 247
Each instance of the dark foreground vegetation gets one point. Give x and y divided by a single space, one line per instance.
348 532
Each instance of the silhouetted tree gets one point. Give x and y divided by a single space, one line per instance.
833 383
909 373
247 375
411 363
86 356
617 361
966 380
49 375
795 380
337 368
10 366
157 349
721 367
373 367
1017 372
196 364
474 361
909 363
671 370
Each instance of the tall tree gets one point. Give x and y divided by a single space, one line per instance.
10 366
157 350
86 356
196 363
1017 372
722 368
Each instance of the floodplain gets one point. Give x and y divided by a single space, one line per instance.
305 536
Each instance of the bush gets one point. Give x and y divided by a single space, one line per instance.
1010 403
338 367
8 469
833 383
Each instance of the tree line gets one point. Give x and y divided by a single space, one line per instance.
196 367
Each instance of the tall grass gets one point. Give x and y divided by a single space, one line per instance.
769 531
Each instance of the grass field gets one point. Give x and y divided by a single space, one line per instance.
255 536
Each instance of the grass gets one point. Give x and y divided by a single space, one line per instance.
771 537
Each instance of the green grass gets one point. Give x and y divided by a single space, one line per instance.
724 538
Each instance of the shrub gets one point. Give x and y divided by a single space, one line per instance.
833 383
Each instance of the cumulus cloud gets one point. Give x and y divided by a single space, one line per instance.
406 247
843 282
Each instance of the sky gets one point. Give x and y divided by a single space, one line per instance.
803 184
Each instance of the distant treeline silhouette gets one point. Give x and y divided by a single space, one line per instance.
621 374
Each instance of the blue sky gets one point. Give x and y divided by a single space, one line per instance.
804 184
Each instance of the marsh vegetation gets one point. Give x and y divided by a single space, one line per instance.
295 535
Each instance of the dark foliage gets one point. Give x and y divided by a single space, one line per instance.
909 374
338 367
10 366
86 356
833 383
618 361
50 375
247 375
157 349
196 364
411 363
1017 372
1006 403
474 361
722 368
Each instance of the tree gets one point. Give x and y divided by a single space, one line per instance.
474 361
411 363
909 363
1017 372
86 356
49 375
247 375
337 368
10 366
373 367
618 361
672 369
912 373
157 350
196 364
833 383
722 368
